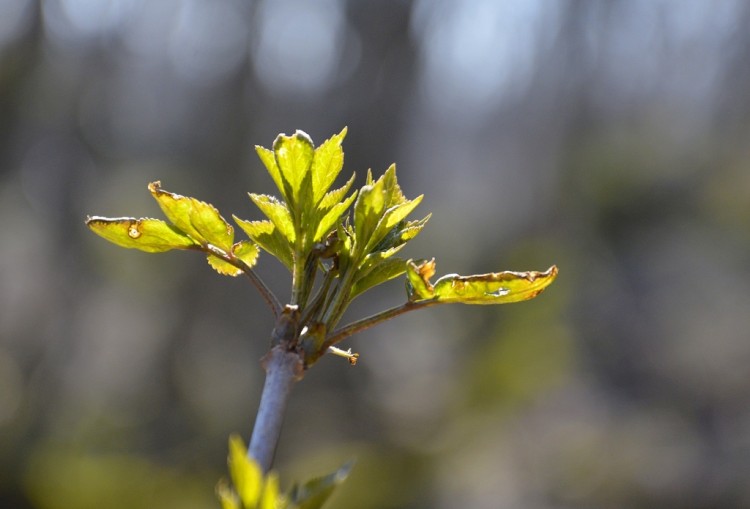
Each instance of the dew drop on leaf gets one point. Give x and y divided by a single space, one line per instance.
498 293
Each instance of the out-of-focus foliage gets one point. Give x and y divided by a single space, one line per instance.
610 138
252 490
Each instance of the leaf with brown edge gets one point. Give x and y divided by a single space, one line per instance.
247 252
196 218
419 276
145 234
222 266
493 288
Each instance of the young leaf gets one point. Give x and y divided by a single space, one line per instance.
327 164
380 272
368 210
315 492
150 235
269 161
278 213
418 277
246 251
247 477
267 236
492 288
333 197
294 156
222 266
227 496
270 498
198 219
329 220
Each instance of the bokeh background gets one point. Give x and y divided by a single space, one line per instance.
609 137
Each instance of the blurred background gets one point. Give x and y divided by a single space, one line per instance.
611 138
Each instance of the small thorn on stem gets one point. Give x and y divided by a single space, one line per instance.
347 354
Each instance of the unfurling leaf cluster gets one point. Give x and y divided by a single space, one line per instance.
337 244
251 489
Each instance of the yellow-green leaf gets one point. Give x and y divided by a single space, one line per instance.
267 236
315 492
494 288
329 220
227 496
150 235
327 164
368 210
246 474
278 213
294 156
247 252
380 272
269 161
270 497
419 276
198 219
333 197
222 266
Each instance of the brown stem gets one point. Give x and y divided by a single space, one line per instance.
365 323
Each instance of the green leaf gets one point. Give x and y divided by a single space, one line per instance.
247 252
294 156
267 236
198 219
419 277
227 496
269 161
247 477
327 164
378 273
150 235
315 492
493 288
368 210
278 213
270 498
331 218
222 266
333 197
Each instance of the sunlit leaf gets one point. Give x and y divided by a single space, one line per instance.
327 164
198 219
368 210
269 498
315 492
278 213
227 497
419 276
329 220
150 235
493 288
267 236
294 156
247 252
269 161
222 266
246 474
384 270
333 197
